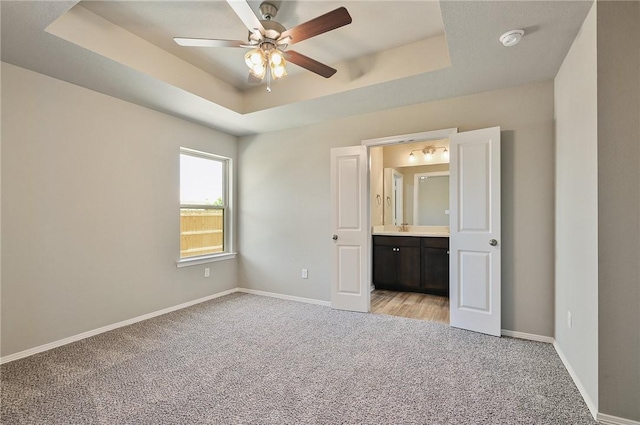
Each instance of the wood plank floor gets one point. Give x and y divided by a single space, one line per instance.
408 304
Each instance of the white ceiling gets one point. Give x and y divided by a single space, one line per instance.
125 49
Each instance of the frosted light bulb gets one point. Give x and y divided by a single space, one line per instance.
276 58
412 157
256 58
258 70
278 71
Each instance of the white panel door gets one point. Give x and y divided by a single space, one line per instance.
475 230
350 232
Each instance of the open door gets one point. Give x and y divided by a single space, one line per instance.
349 224
475 231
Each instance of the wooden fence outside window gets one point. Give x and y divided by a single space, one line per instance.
201 231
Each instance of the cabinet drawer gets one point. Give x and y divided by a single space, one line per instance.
396 241
435 242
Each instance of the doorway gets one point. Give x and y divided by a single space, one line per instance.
411 279
474 237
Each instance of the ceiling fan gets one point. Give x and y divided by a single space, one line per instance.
268 41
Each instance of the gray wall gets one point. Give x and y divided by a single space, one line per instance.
576 238
90 210
619 207
284 196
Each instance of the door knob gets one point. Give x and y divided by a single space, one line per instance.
334 237
493 242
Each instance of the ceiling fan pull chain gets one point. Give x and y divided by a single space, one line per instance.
268 79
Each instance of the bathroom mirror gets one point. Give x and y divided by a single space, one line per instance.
416 195
431 199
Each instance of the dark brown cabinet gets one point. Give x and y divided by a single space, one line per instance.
408 263
435 265
394 261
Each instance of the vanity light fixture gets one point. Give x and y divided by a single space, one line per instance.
429 152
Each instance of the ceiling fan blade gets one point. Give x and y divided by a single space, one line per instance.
207 42
246 15
327 22
310 64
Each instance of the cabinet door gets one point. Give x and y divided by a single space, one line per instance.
435 270
384 265
408 266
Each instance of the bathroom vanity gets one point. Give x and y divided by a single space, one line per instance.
415 262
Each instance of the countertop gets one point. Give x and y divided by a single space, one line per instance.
411 233
424 231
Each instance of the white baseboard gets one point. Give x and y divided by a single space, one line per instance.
78 337
285 297
530 337
614 420
593 408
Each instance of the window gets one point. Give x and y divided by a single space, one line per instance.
204 204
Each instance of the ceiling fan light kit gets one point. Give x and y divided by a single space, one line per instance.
268 41
267 62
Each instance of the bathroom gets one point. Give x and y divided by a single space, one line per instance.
410 227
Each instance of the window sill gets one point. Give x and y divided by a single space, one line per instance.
186 262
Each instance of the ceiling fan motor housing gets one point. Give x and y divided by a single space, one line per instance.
273 30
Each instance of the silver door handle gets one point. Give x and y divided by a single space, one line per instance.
493 242
334 237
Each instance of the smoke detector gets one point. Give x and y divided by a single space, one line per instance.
511 38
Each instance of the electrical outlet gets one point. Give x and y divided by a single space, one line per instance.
305 273
206 272
569 319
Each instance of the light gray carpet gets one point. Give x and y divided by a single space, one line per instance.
245 359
